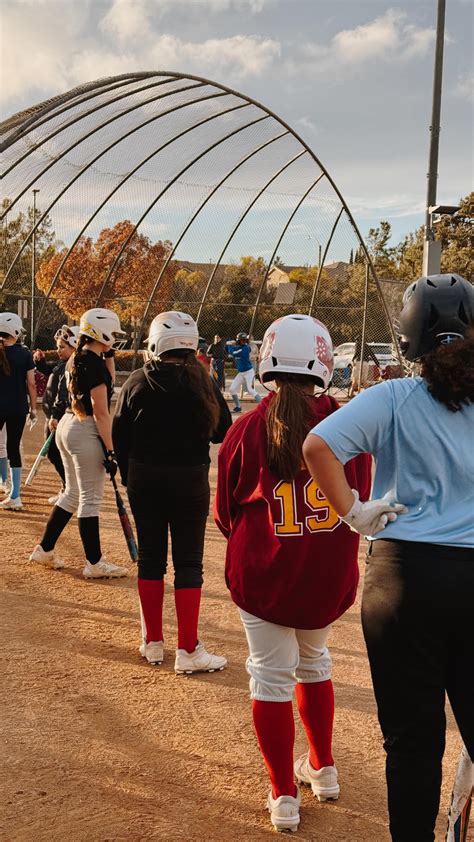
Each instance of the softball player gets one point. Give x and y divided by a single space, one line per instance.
167 414
55 397
17 384
419 585
82 435
245 370
291 563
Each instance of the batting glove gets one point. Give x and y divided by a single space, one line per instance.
110 463
373 516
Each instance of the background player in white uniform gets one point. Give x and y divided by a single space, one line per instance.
419 586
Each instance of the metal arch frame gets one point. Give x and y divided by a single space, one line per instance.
188 226
34 115
59 105
133 171
92 132
285 229
82 116
313 156
175 178
236 228
323 259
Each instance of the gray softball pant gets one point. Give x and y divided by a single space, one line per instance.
83 457
281 656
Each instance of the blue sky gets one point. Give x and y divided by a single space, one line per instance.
354 79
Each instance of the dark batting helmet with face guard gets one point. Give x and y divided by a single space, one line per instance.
242 337
437 310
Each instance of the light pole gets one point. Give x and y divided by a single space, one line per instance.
320 248
33 270
432 247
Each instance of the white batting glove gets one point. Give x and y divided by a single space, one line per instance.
373 516
33 416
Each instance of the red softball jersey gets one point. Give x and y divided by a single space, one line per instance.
290 559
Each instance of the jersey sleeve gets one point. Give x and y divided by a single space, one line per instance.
361 426
229 466
94 373
122 432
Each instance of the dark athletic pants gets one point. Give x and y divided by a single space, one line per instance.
54 455
15 426
219 367
174 498
417 611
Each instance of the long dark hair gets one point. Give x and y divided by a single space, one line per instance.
4 364
77 404
449 372
288 420
196 378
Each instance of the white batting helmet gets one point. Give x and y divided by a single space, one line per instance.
172 331
11 324
69 334
297 344
101 325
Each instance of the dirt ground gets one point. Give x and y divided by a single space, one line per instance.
97 745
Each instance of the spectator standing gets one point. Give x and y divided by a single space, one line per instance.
217 353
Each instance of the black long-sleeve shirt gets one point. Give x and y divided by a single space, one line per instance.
157 419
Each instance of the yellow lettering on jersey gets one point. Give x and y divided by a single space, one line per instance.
289 525
325 517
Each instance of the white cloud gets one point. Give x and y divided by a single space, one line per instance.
464 89
389 37
126 19
239 56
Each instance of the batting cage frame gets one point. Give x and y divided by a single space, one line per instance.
116 192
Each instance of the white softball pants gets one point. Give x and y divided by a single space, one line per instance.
245 379
280 657
83 459
3 442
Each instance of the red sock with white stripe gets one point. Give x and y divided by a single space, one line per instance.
275 728
151 592
187 601
316 708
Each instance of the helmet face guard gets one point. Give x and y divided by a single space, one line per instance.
67 334
103 326
437 310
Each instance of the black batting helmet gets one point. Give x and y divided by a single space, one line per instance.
437 309
242 337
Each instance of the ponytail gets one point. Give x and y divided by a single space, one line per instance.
4 364
77 405
449 372
196 378
288 420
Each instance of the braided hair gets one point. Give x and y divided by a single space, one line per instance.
77 405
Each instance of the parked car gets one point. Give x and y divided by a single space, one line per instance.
344 353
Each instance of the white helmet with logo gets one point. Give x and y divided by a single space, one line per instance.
297 344
172 331
11 324
69 334
101 325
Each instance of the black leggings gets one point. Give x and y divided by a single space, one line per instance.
177 498
54 455
417 621
15 426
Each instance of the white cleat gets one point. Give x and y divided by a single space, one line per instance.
284 811
47 559
4 486
103 570
323 781
153 652
198 661
12 505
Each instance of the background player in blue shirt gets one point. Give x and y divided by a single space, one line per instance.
419 583
245 370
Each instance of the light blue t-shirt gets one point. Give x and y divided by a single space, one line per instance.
424 456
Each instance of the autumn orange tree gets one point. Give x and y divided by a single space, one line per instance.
81 278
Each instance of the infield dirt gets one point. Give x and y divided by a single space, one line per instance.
97 745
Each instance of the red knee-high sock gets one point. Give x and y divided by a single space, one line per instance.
316 707
151 593
187 601
275 727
